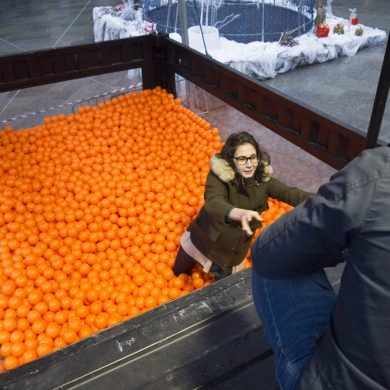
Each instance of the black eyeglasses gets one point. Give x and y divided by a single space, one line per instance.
242 160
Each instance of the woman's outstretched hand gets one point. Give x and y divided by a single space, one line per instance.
244 216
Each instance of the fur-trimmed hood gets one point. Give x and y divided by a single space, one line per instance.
225 172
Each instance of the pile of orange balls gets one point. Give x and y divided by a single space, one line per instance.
92 207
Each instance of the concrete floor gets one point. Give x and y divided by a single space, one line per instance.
345 87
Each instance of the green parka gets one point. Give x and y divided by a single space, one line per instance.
225 243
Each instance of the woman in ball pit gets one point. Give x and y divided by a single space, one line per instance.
237 190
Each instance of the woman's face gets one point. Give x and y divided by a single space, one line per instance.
249 168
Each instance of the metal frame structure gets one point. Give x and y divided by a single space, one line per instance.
242 21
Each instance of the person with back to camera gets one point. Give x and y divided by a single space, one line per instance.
237 189
322 340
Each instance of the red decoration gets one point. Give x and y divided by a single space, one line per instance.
355 20
322 30
149 26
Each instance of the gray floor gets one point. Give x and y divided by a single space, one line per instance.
38 25
344 88
32 25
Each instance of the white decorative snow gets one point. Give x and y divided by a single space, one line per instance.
261 60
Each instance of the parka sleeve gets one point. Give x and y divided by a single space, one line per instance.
216 197
315 233
301 241
291 195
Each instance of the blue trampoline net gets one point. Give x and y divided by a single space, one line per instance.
240 21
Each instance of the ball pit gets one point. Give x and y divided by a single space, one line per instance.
92 207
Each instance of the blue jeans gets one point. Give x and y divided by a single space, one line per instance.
294 312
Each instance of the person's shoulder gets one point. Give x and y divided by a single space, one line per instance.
378 155
367 168
370 163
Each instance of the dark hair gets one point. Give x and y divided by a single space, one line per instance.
237 139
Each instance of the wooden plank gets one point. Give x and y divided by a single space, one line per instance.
58 64
323 135
49 66
33 68
226 84
21 70
244 94
333 142
45 66
93 57
115 55
296 120
284 116
305 129
212 76
104 54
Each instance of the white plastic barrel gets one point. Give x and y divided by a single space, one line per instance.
211 38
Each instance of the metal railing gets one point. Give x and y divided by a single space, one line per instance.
242 21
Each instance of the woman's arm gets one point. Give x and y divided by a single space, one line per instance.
244 216
217 205
216 197
291 195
